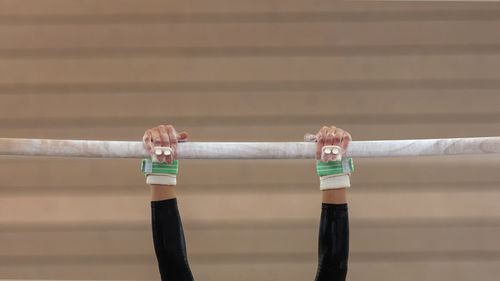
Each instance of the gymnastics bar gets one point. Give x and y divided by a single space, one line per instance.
248 150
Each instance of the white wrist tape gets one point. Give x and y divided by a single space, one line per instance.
161 179
334 181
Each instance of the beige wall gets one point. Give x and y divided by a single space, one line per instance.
232 70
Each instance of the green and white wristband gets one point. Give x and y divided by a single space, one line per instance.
160 173
335 174
334 167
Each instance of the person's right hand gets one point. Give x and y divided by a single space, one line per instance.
329 136
163 136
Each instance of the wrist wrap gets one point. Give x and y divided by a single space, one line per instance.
335 167
160 173
335 174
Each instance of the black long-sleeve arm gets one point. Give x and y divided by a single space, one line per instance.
333 249
169 243
170 246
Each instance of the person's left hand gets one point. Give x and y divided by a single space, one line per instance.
163 136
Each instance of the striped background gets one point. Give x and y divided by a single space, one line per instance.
233 70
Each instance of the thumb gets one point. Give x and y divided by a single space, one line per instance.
309 137
182 136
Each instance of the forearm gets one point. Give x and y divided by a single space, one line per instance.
333 237
161 174
334 196
168 236
162 192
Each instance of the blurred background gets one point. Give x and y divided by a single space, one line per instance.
234 70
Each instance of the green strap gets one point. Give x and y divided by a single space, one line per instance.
335 167
151 167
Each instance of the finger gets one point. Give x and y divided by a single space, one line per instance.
338 141
330 136
346 139
165 141
173 144
320 139
337 136
318 145
182 136
146 140
309 137
155 136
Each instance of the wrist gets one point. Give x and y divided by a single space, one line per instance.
162 174
334 196
161 179
162 192
331 168
334 182
335 174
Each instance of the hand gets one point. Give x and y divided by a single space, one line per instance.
329 136
163 136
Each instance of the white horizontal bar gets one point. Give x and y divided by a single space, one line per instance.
248 150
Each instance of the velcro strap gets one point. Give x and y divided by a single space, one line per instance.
150 167
335 167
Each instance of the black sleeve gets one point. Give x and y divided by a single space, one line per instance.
333 243
169 243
